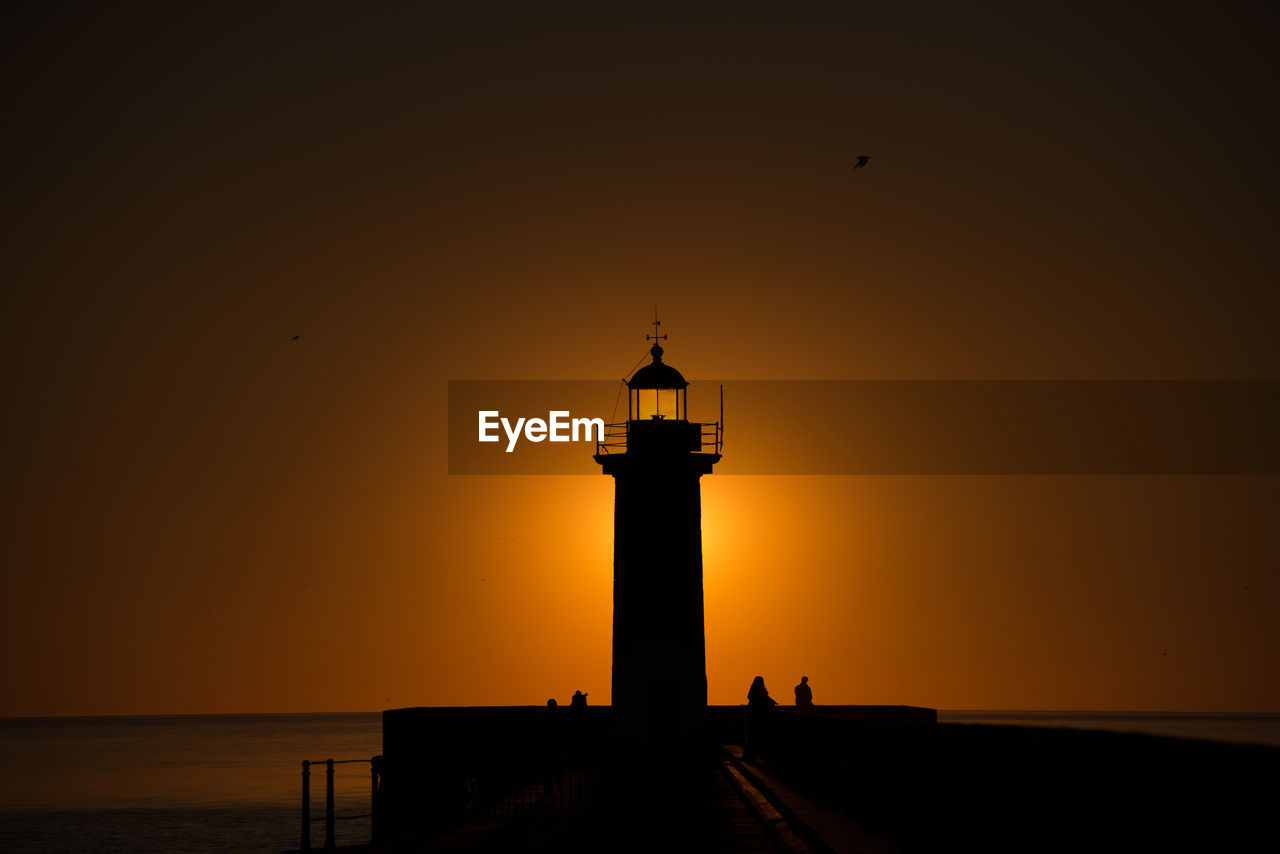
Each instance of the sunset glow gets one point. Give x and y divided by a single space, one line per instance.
238 291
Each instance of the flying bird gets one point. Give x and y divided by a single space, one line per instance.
862 160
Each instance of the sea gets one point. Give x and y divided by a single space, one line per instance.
189 783
233 783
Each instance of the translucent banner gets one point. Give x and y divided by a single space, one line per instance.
812 427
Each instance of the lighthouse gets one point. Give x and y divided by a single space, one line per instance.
657 458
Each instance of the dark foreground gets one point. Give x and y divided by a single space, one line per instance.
747 811
840 779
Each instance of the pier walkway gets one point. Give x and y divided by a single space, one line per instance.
751 812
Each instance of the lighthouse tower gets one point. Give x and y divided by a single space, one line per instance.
657 458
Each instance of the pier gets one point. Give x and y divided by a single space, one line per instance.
837 779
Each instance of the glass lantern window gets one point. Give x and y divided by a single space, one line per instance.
666 403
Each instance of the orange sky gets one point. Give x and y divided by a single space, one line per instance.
201 515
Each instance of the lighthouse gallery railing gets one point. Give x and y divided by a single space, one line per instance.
616 437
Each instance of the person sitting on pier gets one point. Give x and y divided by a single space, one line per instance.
759 713
804 695
579 701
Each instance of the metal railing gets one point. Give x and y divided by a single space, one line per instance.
375 770
616 437
712 436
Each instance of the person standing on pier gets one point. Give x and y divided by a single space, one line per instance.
759 715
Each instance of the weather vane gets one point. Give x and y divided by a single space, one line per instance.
656 323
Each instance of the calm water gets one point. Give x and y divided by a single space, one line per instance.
226 783
231 783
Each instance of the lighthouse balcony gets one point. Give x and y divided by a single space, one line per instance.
663 436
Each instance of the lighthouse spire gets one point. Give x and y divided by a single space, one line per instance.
656 323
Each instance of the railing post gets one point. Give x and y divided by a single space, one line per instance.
375 798
328 804
306 806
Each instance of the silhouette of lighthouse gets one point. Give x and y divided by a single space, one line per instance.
657 458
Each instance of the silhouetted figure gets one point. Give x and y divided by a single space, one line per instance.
759 715
862 161
758 695
575 746
804 695
552 749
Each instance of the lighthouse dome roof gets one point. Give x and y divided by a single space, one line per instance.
657 374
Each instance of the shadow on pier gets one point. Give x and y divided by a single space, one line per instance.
866 779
